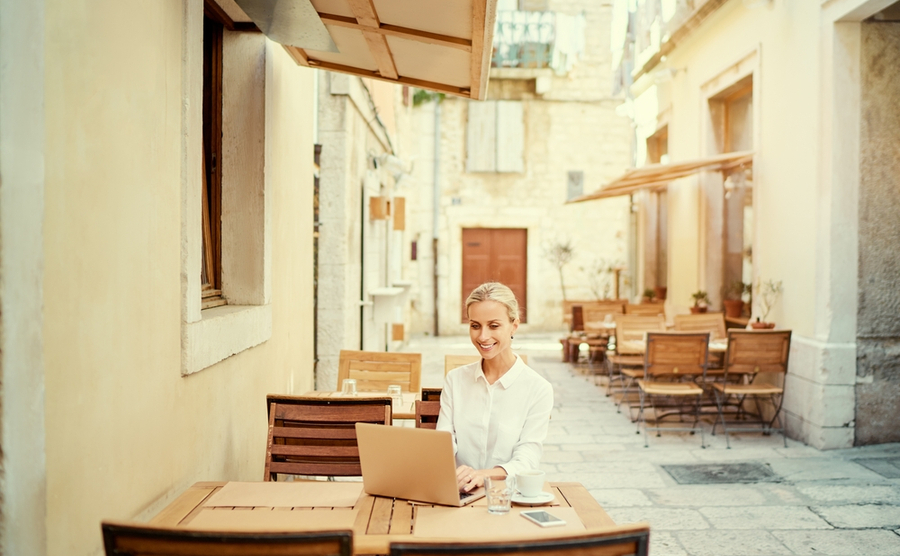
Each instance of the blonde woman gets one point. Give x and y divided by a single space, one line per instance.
497 409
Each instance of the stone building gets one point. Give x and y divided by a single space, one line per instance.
788 113
491 178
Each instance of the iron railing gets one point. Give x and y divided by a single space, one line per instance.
524 39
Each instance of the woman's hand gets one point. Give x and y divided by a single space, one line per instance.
468 478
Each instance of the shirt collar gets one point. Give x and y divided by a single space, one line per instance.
509 377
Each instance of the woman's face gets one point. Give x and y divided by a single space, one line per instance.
489 328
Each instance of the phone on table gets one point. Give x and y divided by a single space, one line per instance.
542 518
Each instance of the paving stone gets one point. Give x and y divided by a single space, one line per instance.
620 497
660 519
851 493
732 543
558 456
640 467
615 479
821 469
860 516
665 544
706 495
873 542
764 517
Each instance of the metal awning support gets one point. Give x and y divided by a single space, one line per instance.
658 176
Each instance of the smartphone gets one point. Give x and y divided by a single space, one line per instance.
542 518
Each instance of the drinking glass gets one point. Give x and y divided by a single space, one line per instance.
348 387
499 492
396 395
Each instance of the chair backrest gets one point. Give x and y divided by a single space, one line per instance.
317 436
128 539
714 323
672 355
612 541
648 309
431 394
374 371
757 351
567 310
577 318
631 328
427 413
455 361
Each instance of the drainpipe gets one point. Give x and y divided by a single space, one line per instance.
436 206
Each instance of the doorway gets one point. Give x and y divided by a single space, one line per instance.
495 255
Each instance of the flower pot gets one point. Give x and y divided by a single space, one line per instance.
756 325
661 292
733 307
698 309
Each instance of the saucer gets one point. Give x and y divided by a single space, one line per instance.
542 498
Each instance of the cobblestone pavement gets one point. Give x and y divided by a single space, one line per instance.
838 502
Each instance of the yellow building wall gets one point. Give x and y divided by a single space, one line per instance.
125 432
785 41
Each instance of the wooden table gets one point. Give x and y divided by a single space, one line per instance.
404 410
378 521
637 347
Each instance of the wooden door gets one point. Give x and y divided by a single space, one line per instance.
495 255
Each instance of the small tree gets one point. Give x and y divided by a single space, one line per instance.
766 293
600 277
560 254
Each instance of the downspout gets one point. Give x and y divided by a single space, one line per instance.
436 206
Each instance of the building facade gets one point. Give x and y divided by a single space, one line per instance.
800 86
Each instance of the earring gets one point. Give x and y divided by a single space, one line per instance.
511 336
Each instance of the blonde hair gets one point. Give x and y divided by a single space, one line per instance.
495 291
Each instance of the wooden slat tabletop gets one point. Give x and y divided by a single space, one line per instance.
405 410
380 521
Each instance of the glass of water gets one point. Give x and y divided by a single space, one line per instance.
499 492
396 395
348 387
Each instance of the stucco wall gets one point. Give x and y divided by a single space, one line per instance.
126 433
878 336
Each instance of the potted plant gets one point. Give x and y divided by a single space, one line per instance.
701 302
767 293
661 292
734 299
649 295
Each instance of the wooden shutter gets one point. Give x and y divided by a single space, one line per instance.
510 137
481 137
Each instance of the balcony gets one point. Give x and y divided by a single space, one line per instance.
528 40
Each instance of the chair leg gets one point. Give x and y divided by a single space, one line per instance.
720 403
643 420
697 421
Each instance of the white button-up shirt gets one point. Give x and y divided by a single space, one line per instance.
502 424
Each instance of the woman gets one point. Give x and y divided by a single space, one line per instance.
497 409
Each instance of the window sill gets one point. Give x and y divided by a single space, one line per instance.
222 332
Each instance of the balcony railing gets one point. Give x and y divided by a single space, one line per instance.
535 40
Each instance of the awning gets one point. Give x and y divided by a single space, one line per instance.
658 176
440 45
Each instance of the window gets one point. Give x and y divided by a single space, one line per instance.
575 186
226 228
495 137
211 270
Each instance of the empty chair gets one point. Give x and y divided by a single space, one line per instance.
646 309
671 361
626 365
754 353
317 436
374 371
431 394
427 413
623 540
454 361
127 539
714 323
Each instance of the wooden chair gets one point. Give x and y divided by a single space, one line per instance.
626 365
671 361
597 311
431 394
317 436
374 371
645 309
714 323
455 361
427 413
752 353
128 539
612 541
567 311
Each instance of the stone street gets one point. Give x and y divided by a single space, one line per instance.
839 502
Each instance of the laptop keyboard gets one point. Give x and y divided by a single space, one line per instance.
465 496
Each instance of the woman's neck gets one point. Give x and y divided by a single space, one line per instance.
496 367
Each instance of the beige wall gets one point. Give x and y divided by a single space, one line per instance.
125 431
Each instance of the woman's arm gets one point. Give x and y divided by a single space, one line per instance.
528 450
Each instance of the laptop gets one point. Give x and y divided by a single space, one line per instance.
412 464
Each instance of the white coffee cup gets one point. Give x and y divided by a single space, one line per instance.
531 483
